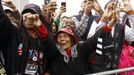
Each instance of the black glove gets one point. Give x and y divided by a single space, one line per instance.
1 8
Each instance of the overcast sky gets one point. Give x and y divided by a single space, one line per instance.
73 6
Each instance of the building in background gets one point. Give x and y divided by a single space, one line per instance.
73 6
20 4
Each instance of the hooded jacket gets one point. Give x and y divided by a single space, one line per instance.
13 40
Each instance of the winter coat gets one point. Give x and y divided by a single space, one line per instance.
12 40
78 62
107 49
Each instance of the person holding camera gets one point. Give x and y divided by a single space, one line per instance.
108 52
58 19
47 10
25 49
84 21
127 48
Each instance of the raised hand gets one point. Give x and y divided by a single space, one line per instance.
106 15
51 7
48 10
36 20
109 10
32 19
61 11
113 19
9 4
128 8
97 7
44 9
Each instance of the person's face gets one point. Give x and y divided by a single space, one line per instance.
87 5
63 40
28 21
63 21
70 23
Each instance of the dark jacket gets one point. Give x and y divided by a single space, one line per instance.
11 38
75 66
78 65
108 56
90 21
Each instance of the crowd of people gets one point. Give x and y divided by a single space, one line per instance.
40 41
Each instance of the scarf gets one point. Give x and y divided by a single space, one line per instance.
66 57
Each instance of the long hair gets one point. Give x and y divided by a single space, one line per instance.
26 40
24 37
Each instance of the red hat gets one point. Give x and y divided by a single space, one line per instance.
69 32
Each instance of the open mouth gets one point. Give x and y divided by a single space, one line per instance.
30 27
62 44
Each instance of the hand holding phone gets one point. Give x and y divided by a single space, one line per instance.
9 4
63 4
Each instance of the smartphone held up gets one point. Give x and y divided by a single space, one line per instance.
63 4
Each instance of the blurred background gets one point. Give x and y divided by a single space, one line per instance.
73 6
